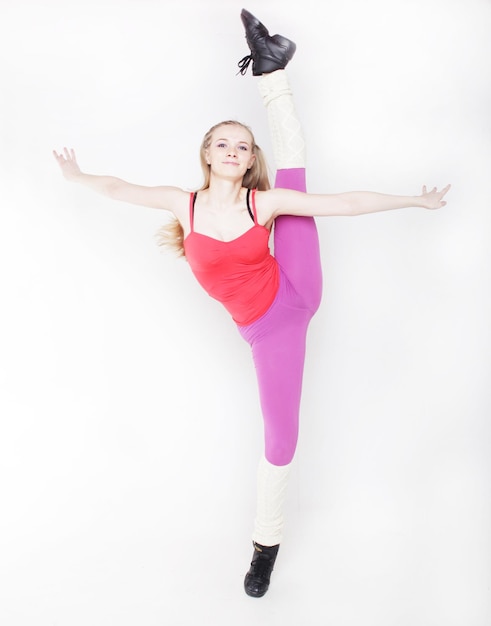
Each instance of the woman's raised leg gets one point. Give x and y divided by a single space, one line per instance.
296 242
278 339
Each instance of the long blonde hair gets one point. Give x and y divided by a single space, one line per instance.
172 235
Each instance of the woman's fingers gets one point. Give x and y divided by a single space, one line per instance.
435 190
65 156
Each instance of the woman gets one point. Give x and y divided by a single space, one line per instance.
224 230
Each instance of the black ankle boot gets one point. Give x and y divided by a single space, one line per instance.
257 579
267 53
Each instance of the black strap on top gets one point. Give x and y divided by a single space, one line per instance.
249 206
191 210
195 195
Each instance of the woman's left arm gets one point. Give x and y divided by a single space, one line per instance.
287 202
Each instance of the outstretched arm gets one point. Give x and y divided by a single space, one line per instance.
277 202
155 197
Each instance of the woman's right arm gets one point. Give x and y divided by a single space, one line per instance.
163 197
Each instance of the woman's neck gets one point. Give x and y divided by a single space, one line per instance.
223 193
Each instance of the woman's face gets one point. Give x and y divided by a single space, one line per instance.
230 151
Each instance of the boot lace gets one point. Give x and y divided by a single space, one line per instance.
244 64
261 568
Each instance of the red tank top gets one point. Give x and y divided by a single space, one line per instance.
241 274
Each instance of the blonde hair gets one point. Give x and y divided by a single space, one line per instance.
172 235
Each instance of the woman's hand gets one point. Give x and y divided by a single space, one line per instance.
68 163
433 199
163 197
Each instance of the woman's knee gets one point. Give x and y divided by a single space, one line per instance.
280 453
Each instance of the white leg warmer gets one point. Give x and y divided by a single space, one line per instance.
272 482
285 128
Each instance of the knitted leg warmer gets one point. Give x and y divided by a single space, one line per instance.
272 482
286 131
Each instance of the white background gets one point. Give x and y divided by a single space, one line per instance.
130 425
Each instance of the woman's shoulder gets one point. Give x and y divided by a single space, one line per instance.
265 204
178 201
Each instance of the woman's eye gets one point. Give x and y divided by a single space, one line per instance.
221 145
243 148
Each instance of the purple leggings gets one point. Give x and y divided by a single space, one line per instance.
278 337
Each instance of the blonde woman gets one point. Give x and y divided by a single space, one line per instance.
224 230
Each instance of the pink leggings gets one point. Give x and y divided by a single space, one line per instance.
278 337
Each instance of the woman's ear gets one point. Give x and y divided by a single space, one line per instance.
251 162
